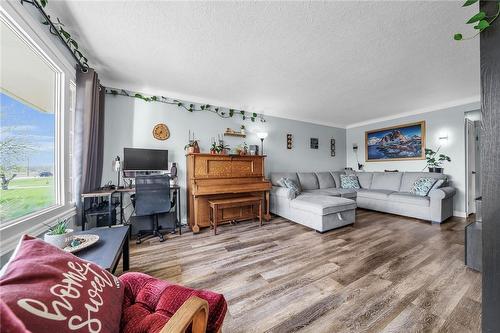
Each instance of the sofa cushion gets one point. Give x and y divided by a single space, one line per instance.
365 179
51 290
374 194
336 177
322 204
335 192
149 303
422 186
276 176
438 184
325 180
409 198
386 181
409 178
283 192
349 181
347 192
327 191
308 180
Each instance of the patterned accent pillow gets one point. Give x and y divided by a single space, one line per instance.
290 193
281 182
292 185
422 186
349 181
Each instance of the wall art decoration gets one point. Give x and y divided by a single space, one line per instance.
314 143
288 141
332 147
161 132
396 143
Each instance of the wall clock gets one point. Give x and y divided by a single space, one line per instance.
161 132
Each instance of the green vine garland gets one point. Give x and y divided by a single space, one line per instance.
190 107
481 20
66 36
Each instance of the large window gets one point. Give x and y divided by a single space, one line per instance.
27 140
35 122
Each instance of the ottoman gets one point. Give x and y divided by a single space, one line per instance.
323 212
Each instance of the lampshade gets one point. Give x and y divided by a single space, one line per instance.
262 135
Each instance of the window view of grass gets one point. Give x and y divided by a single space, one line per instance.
26 159
25 196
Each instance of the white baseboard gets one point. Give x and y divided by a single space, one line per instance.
459 214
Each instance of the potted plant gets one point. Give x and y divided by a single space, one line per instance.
190 148
213 148
222 148
435 161
242 149
59 235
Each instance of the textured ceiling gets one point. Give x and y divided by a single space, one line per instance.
336 63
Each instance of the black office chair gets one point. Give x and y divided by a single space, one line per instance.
152 197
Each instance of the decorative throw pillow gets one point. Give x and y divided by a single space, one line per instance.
50 290
291 184
349 181
281 182
290 193
422 186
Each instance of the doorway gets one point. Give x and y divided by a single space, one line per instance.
472 160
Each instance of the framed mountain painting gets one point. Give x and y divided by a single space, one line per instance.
396 143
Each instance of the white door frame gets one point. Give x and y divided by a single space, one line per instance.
470 166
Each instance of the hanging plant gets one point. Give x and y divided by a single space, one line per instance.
56 28
481 20
190 107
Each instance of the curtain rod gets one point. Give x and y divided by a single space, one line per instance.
83 67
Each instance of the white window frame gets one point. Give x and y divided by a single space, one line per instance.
40 41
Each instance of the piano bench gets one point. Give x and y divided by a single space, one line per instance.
234 209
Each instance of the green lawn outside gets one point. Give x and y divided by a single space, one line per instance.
25 196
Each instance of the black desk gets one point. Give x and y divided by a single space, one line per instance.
109 193
175 188
112 244
106 210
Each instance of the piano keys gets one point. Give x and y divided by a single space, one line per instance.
223 176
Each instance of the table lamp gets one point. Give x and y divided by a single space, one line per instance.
116 168
262 136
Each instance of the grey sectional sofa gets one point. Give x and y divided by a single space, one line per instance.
381 191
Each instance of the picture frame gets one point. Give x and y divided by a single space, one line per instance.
332 147
314 143
289 141
396 143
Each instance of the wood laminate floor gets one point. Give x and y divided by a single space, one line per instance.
386 273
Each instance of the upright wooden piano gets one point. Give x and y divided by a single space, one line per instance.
222 176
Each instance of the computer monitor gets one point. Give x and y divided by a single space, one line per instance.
148 160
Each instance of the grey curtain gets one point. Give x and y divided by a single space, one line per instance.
88 134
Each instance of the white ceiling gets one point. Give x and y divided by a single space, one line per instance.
336 63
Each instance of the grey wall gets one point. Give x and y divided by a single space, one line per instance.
129 123
448 122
